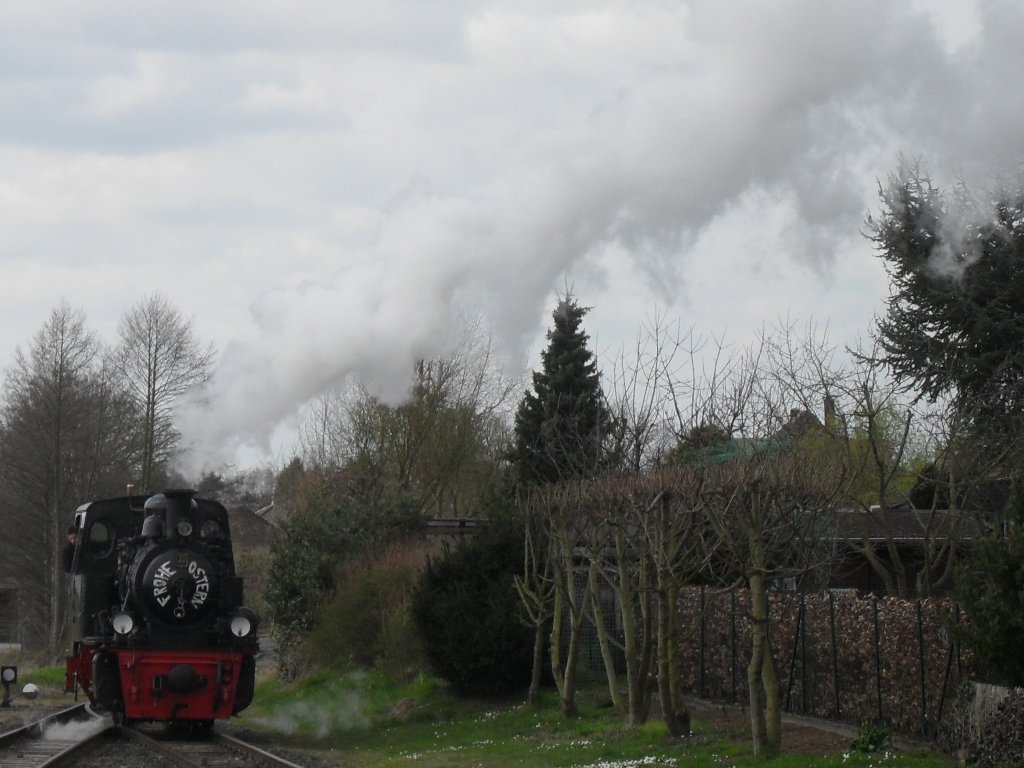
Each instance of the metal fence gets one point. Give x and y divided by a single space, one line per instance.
839 655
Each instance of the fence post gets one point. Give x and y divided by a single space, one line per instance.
732 606
703 606
920 665
945 683
835 655
956 640
951 635
878 659
792 655
804 688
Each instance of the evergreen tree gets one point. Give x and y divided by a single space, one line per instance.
991 590
955 313
563 427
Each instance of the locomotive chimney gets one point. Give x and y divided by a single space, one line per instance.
179 504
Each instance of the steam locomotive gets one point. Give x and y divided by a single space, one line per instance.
156 607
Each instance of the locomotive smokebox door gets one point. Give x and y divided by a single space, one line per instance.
176 586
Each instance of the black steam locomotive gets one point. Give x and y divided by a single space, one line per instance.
160 626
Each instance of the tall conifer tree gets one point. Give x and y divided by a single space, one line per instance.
563 427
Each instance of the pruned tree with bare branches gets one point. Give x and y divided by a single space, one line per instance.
535 586
555 510
619 566
768 495
674 531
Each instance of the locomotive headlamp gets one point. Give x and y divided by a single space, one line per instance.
122 622
243 623
240 626
184 528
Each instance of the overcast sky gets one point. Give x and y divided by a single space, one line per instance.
324 186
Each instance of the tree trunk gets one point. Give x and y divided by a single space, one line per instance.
565 671
772 701
755 669
533 696
56 596
604 641
765 699
148 446
568 688
535 596
557 668
637 645
677 716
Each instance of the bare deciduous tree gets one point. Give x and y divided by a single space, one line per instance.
160 359
917 480
441 446
62 420
648 383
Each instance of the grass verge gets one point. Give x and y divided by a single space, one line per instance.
361 720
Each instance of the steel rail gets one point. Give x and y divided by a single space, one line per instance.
29 747
64 715
267 757
209 752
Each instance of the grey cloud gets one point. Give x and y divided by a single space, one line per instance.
490 176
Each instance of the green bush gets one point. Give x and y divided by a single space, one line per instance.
330 526
366 621
467 614
401 656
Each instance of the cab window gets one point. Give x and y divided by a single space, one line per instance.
100 539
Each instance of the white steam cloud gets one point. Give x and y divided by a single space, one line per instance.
75 730
342 711
683 112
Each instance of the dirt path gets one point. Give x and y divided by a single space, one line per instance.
804 735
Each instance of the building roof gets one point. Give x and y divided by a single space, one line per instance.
903 523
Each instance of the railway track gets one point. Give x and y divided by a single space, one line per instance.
76 736
52 740
214 751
